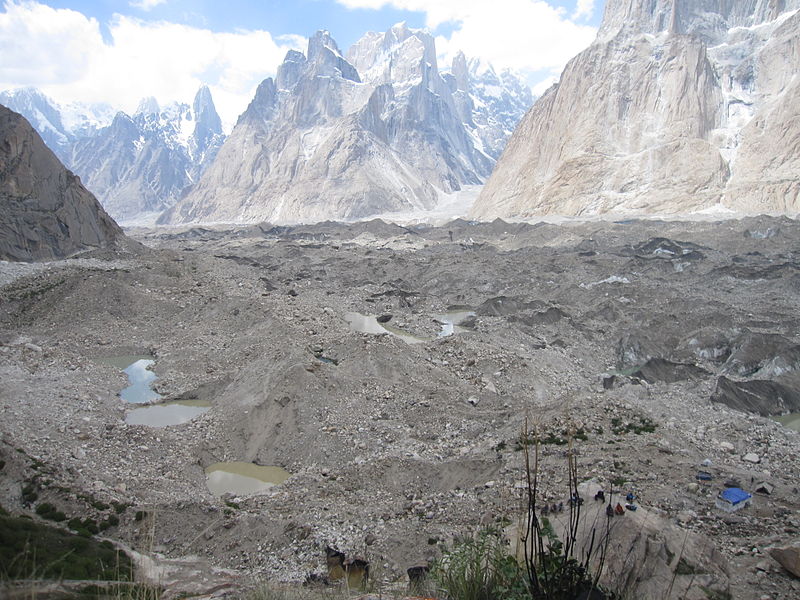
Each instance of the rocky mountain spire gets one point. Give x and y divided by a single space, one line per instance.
679 106
343 137
207 136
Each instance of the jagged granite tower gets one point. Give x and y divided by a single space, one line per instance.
345 137
678 106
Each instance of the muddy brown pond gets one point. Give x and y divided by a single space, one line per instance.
242 478
792 421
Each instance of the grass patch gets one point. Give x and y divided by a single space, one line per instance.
50 512
28 548
638 426
480 568
29 494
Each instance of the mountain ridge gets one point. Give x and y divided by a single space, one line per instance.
46 212
346 136
667 112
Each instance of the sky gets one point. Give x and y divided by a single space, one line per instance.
119 51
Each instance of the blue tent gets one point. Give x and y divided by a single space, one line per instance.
735 495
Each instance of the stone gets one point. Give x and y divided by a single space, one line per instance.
789 558
346 137
751 457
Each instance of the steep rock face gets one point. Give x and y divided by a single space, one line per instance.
60 125
142 164
337 137
207 137
490 104
45 212
42 113
677 107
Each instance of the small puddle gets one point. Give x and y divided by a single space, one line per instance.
369 324
169 413
792 421
141 378
242 478
137 368
450 322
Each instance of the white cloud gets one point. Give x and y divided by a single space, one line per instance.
584 9
530 36
147 4
63 53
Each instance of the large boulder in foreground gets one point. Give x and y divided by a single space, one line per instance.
45 212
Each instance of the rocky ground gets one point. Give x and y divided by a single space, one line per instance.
616 332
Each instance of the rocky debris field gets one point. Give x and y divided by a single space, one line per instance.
661 348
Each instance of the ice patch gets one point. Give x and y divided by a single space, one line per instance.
612 279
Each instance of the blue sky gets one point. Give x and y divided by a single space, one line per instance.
118 51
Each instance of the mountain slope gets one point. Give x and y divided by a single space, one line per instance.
43 115
678 106
136 165
142 164
45 212
335 137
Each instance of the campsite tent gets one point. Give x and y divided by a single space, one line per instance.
733 499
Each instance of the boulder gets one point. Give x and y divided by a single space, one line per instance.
789 558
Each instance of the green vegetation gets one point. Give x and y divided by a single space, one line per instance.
481 568
552 437
29 494
111 521
39 551
639 426
86 528
50 512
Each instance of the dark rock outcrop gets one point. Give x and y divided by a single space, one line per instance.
666 371
764 397
45 212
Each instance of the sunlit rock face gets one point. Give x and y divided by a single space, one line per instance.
338 136
678 106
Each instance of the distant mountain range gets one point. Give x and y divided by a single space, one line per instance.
136 165
333 136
